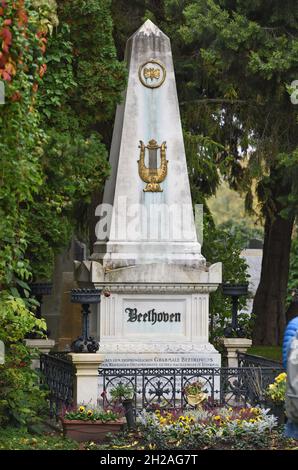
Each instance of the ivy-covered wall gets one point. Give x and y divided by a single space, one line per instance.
52 158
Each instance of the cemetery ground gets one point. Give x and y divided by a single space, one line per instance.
20 439
155 433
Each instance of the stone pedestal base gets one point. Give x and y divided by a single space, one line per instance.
153 315
153 355
233 346
168 328
43 345
86 385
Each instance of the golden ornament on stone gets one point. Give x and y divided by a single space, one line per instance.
153 175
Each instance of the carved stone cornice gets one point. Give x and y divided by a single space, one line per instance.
155 348
158 288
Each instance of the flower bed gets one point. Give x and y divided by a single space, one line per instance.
207 428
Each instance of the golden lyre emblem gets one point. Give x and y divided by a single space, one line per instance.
152 175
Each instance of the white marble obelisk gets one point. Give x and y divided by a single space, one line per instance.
162 228
147 259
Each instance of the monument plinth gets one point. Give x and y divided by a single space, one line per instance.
147 258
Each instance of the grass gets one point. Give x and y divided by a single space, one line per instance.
19 439
270 352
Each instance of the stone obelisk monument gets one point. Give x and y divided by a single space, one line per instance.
147 258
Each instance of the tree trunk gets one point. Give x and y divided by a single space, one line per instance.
269 301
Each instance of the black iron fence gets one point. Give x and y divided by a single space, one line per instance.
58 375
165 386
250 360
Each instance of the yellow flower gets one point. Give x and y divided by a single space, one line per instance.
217 418
89 413
81 409
281 377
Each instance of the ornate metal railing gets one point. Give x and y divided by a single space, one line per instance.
58 375
165 386
250 360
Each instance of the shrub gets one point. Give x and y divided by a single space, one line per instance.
21 400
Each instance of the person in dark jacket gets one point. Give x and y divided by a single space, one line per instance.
291 428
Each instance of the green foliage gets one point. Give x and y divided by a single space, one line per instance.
71 104
47 14
21 146
203 167
221 244
15 320
51 159
21 401
99 76
20 149
122 392
228 206
58 81
73 168
239 230
244 57
293 276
